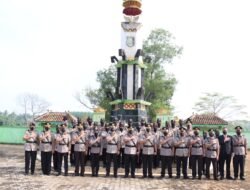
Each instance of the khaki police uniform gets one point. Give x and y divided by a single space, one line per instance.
130 141
239 149
167 154
95 152
211 154
30 147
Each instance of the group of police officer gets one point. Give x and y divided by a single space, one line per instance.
129 147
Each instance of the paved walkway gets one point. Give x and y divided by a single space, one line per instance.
12 177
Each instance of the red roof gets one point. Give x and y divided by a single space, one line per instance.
207 119
55 117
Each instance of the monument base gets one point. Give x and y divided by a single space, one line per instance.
130 109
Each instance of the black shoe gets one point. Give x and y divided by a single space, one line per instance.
185 177
235 178
115 176
242 178
230 178
66 174
177 177
151 176
32 173
76 174
216 179
132 176
199 177
82 175
58 174
126 176
221 177
143 176
107 175
170 176
193 177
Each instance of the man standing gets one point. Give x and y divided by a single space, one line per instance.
166 152
63 140
130 141
46 139
212 149
196 146
149 149
240 152
182 151
95 151
80 149
226 149
113 148
30 147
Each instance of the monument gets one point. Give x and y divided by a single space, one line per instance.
128 102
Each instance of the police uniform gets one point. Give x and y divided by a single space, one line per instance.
148 151
95 152
113 147
63 149
239 149
80 149
211 154
196 152
167 154
54 150
182 152
30 147
46 139
130 141
72 154
104 143
121 157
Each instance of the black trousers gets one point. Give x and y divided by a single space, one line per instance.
55 160
79 162
166 162
121 158
130 162
147 163
61 157
157 158
95 164
196 159
46 162
72 155
110 158
104 155
30 161
139 159
181 161
208 163
222 159
238 161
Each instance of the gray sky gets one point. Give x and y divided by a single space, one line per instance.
55 47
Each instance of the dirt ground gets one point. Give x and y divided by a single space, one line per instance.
12 177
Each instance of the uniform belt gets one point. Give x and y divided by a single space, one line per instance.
46 142
79 143
111 144
130 146
166 147
95 146
31 142
239 145
61 144
212 149
196 146
181 147
148 146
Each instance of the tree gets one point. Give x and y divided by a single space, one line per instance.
32 104
159 85
223 106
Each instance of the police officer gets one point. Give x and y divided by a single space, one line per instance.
130 141
113 148
196 152
149 149
104 134
240 151
95 151
63 140
226 149
72 132
55 148
181 143
121 157
212 149
30 147
46 139
80 149
166 152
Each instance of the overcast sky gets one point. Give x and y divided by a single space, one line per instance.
54 48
